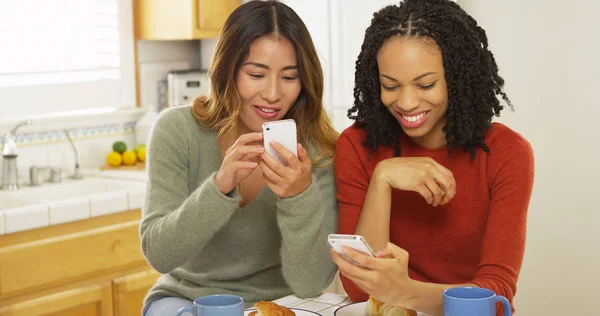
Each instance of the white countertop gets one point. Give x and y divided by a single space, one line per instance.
98 193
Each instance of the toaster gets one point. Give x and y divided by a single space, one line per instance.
184 86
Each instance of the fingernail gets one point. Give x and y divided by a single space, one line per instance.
253 164
345 249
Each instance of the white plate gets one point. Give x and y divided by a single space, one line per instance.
356 309
297 311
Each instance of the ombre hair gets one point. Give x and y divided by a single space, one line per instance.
221 109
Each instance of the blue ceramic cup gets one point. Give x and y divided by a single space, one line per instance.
215 305
473 301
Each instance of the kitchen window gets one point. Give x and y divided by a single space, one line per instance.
62 56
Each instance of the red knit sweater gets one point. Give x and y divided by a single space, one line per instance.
478 237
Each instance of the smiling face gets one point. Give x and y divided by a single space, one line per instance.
413 87
268 82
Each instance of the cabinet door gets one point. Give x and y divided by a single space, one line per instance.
129 291
89 300
213 14
70 256
181 19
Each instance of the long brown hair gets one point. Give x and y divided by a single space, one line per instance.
220 111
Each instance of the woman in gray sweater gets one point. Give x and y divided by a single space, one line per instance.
221 215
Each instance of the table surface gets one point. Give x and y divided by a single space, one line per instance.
326 304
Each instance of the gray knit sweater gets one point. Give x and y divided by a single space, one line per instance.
204 243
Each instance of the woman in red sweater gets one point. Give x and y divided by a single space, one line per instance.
423 171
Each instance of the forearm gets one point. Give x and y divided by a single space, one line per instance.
169 232
305 221
428 297
374 222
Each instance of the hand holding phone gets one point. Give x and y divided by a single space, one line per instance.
286 165
357 242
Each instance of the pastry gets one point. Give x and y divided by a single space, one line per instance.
379 308
271 309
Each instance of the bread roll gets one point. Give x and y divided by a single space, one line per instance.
271 309
378 308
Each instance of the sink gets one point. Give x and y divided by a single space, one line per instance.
68 189
68 201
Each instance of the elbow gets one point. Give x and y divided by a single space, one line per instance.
159 266
306 292
313 286
162 266
154 259
499 285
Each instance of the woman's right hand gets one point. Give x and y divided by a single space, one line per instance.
418 174
238 162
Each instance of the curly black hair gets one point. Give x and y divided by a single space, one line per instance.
470 69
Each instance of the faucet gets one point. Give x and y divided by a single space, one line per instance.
10 175
77 174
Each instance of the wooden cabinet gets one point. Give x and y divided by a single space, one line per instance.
95 299
129 291
180 19
90 267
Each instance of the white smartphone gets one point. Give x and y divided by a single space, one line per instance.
337 241
283 132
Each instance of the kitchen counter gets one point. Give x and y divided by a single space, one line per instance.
98 193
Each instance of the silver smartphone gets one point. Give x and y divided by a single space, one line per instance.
283 132
357 242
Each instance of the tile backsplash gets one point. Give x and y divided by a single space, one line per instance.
58 135
50 147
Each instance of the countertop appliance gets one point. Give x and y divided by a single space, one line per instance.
185 85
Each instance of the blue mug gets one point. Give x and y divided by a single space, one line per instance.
473 301
215 305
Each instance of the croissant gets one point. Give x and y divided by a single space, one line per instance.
271 309
379 308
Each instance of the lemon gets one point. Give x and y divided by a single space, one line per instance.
114 159
129 158
141 154
119 147
138 147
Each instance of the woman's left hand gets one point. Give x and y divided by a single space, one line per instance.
384 277
287 181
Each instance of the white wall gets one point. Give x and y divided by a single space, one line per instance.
548 53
